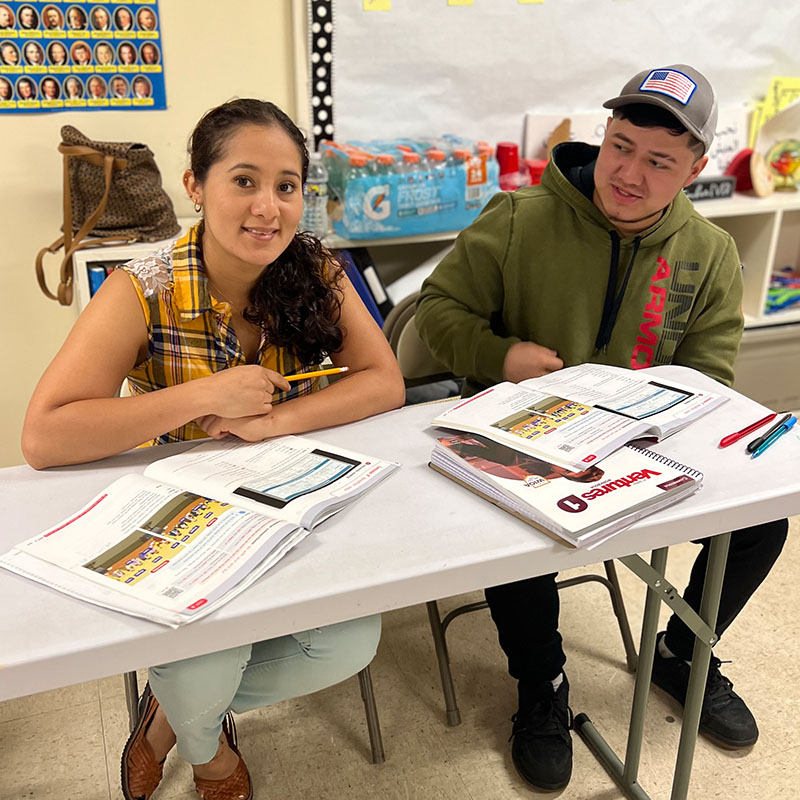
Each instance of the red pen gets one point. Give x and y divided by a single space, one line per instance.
734 437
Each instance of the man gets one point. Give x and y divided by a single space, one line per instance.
50 89
97 88
6 18
73 88
53 20
9 55
147 19
76 19
149 53
28 18
26 89
605 262
33 54
141 88
81 54
119 87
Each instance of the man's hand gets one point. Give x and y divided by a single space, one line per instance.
529 360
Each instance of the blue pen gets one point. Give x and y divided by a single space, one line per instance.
787 426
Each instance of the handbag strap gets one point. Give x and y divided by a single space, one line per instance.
77 242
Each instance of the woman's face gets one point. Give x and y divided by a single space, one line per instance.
252 199
58 55
127 55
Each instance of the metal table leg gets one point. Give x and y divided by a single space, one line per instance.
131 697
625 774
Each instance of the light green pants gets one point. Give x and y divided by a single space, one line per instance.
196 693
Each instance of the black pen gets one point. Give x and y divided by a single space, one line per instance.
756 443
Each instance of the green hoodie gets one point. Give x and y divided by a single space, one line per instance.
535 267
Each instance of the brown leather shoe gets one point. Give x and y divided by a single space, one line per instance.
237 786
141 773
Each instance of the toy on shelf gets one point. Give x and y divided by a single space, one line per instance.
784 159
784 290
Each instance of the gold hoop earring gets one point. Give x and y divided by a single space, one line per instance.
198 207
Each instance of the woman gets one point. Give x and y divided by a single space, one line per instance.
204 330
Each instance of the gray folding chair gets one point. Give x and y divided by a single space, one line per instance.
420 366
367 695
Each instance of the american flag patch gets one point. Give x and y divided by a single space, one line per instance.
671 83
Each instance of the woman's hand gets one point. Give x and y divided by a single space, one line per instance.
242 391
249 429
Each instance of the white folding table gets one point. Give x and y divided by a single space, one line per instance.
416 537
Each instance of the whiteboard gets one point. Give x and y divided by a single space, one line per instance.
427 68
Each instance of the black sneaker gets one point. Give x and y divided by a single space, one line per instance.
542 748
724 717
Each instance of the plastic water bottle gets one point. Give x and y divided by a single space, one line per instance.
315 198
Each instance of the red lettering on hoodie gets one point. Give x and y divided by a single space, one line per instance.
642 355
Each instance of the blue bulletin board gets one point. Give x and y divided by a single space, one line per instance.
80 55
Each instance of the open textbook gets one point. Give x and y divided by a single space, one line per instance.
196 528
579 415
579 508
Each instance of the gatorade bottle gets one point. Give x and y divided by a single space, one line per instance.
437 161
315 198
384 164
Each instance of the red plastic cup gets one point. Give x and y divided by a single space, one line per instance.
508 157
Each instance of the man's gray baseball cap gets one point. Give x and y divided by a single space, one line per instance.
681 90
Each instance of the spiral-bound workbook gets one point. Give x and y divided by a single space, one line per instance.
578 508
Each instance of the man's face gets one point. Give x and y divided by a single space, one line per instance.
57 53
146 19
149 55
5 17
5 90
96 88
75 17
10 55
118 86
32 53
49 89
81 55
25 90
26 16
639 172
141 88
52 17
73 88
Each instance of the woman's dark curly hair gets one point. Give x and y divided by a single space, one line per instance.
297 300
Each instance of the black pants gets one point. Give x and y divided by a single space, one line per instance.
526 612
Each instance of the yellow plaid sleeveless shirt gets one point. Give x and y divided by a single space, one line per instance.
189 333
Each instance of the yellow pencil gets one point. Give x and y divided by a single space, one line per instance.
303 375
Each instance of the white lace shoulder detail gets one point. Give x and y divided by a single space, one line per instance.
154 272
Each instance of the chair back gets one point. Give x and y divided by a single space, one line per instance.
418 365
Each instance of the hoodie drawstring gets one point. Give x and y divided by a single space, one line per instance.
612 304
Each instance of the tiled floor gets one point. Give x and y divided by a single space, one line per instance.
66 744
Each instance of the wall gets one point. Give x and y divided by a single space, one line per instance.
210 56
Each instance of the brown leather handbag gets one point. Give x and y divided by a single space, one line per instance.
112 195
